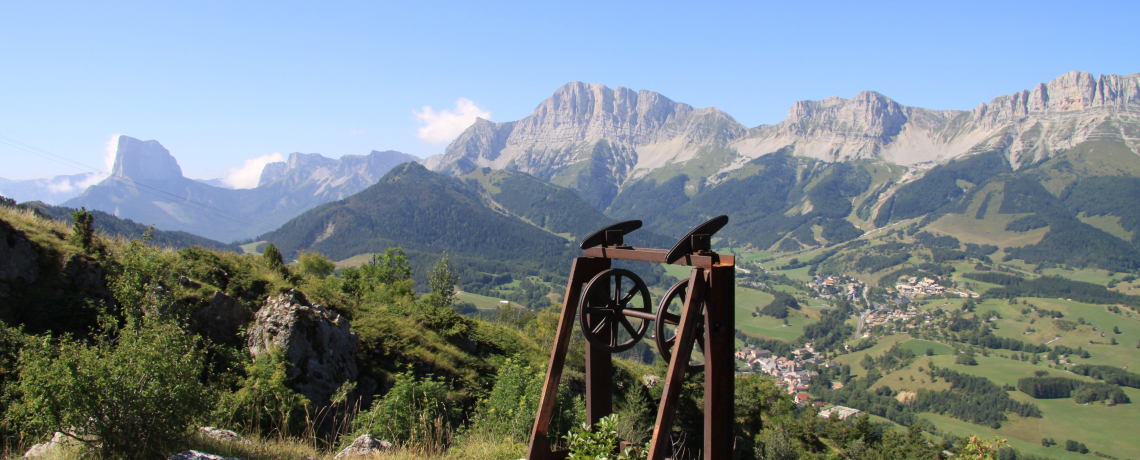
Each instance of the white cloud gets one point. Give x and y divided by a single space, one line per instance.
60 186
92 179
249 173
445 125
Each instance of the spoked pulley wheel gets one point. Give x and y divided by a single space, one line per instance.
610 313
669 318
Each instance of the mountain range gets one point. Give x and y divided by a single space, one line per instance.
52 191
147 185
599 141
589 155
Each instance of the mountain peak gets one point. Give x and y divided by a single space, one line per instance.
145 161
1073 91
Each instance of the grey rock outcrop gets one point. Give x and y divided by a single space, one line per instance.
51 448
196 455
221 320
364 446
317 342
219 434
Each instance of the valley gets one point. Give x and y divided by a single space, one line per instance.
948 272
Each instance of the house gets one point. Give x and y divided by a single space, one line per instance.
802 398
841 411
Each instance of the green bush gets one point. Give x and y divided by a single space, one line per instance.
413 413
82 233
510 409
134 395
136 278
263 404
273 256
600 442
315 264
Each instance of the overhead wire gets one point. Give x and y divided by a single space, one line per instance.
204 207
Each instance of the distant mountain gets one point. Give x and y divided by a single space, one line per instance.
599 141
592 138
147 185
427 214
52 191
837 168
214 183
489 222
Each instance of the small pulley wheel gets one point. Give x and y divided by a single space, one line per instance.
609 312
669 318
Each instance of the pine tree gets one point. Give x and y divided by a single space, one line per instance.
442 283
272 256
82 232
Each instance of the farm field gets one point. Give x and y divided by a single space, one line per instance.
747 300
1096 425
1031 328
483 302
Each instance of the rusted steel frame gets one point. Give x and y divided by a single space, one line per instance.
599 361
581 271
720 320
675 377
705 261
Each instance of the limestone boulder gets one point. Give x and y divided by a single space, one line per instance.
219 434
196 455
317 342
364 446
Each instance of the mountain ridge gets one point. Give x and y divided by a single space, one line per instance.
598 140
147 185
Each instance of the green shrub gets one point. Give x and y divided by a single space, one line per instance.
510 409
413 413
272 256
134 395
315 264
82 232
136 278
263 404
600 442
386 269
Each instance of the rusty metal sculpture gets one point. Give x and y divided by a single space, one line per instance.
614 310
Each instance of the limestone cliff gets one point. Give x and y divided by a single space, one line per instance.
595 139
591 137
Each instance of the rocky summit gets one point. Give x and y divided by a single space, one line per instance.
147 185
598 140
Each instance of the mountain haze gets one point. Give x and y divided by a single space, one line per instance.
147 186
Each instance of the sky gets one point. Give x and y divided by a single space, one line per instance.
228 86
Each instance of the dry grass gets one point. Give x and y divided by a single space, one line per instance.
296 448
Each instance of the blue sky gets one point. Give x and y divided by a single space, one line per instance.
221 83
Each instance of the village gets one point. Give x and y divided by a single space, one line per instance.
913 287
837 287
791 375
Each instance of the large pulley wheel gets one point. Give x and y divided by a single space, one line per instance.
609 312
669 318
